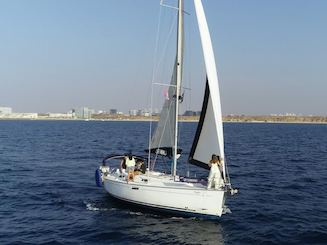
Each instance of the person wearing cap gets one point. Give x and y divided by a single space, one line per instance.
215 173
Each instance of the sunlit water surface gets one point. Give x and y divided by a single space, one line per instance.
48 193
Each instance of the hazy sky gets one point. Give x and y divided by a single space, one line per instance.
57 54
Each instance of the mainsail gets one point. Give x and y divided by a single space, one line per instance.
209 137
162 141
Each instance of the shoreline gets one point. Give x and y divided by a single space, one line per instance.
155 120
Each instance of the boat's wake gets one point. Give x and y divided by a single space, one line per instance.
184 218
99 207
226 210
141 214
96 207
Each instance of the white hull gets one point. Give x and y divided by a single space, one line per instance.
161 191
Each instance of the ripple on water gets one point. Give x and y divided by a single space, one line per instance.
48 194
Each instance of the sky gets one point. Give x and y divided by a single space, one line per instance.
56 55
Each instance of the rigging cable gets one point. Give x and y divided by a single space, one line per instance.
152 81
155 72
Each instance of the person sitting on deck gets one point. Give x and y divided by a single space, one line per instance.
140 167
130 165
215 173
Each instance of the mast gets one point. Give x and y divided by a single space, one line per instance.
179 69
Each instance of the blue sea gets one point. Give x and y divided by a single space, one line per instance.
48 193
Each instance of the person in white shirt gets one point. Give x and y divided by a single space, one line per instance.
215 176
130 165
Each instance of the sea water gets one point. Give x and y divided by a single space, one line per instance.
48 193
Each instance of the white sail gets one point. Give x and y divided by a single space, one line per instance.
162 142
209 139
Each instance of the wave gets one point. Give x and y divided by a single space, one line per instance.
96 207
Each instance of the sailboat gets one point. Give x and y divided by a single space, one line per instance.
170 192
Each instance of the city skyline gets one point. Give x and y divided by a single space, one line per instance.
137 112
57 55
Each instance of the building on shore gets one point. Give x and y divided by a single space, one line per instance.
133 112
19 116
84 113
190 113
113 111
7 113
61 115
5 110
